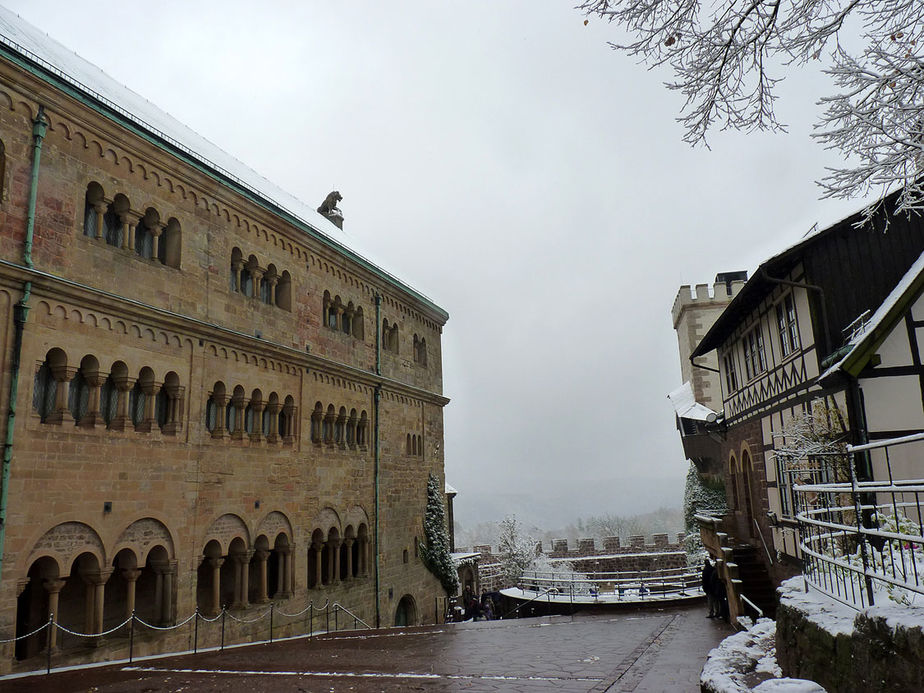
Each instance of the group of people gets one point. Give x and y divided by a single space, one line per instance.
476 608
714 587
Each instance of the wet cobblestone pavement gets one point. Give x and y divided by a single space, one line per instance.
659 650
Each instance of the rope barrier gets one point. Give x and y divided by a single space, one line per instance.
210 620
173 627
93 635
251 620
296 615
27 635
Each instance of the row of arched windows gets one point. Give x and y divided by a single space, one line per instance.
390 337
266 284
271 419
343 318
114 221
338 427
420 351
333 559
414 445
118 400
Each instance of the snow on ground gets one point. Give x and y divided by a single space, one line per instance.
832 616
748 659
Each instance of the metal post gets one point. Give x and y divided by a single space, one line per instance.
327 616
223 612
51 625
336 617
196 631
310 618
131 637
858 511
271 622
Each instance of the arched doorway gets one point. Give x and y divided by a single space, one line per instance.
406 613
748 499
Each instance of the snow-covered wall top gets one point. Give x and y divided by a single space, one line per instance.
53 59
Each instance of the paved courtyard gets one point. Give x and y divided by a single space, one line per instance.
657 650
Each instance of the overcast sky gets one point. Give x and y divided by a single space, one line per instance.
501 158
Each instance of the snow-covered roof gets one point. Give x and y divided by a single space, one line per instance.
56 63
686 406
882 318
447 489
461 557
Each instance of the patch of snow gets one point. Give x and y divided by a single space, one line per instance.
686 406
789 686
832 616
739 659
898 616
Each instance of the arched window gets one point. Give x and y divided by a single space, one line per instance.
170 247
215 411
351 429
270 279
237 264
347 319
340 428
78 396
161 408
108 400
136 402
144 233
317 421
325 308
284 291
359 331
93 210
408 445
362 430
46 385
329 418
112 227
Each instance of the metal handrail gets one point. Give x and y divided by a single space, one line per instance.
356 619
761 535
760 612
538 596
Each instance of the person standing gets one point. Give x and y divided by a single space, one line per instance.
709 578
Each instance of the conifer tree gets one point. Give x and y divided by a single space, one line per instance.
434 550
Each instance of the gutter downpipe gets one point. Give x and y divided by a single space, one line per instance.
377 395
20 314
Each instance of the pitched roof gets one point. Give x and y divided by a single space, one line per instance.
855 354
24 44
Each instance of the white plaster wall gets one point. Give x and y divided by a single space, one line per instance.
893 403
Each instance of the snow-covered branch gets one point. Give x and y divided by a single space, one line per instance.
728 56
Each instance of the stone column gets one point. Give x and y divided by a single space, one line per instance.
53 587
317 548
215 564
257 407
262 555
219 430
288 585
175 395
156 234
241 568
124 386
257 275
239 406
100 208
273 281
288 411
274 409
93 415
236 268
96 590
349 556
131 576
335 561
63 376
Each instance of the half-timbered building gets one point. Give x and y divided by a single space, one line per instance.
773 343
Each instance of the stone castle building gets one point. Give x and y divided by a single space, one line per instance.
209 397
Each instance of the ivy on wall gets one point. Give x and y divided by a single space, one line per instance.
434 549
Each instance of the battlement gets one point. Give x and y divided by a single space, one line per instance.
724 289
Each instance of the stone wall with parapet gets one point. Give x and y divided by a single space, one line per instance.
878 649
610 556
